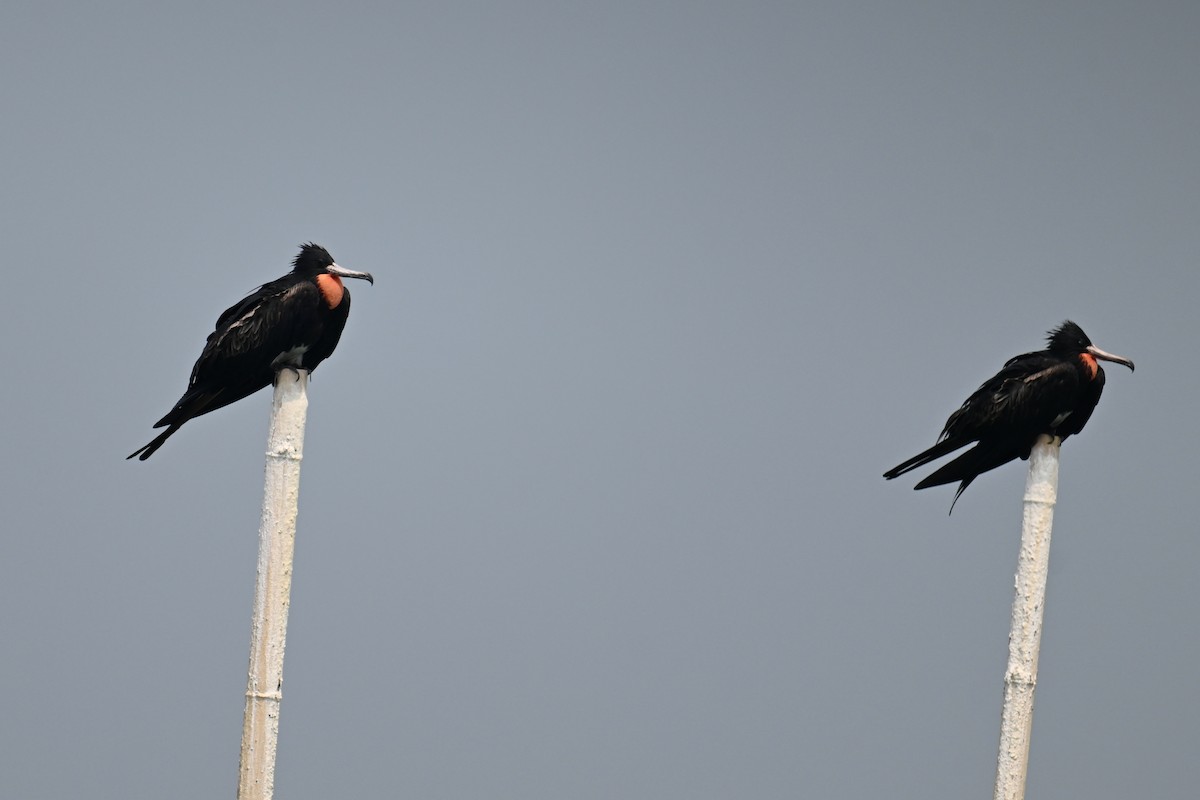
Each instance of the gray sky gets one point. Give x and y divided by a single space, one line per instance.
592 503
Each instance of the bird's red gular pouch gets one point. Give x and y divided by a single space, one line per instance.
1089 363
332 290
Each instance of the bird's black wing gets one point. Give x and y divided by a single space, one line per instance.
236 360
250 334
1026 395
1014 400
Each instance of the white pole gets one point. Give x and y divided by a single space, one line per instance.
273 586
1020 679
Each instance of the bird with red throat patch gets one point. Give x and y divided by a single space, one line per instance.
1051 391
293 322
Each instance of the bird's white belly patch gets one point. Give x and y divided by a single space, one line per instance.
290 358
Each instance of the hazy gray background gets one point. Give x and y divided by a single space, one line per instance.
592 503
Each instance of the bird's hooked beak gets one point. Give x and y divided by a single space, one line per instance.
342 272
1096 352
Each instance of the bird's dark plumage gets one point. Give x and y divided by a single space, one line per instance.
1051 391
294 321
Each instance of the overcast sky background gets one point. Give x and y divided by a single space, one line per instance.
591 501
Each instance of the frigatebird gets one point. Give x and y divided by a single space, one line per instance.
1052 391
292 322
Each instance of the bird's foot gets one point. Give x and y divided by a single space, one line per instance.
294 370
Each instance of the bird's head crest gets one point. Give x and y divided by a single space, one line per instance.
311 259
1068 338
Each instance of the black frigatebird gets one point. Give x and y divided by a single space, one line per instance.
294 321
1052 391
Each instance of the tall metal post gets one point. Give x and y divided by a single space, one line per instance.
273 586
1025 637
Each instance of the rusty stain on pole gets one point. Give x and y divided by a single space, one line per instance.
273 585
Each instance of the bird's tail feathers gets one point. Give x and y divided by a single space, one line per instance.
142 453
979 459
191 405
937 451
195 403
962 487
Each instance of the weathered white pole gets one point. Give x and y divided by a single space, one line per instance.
273 586
1020 678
